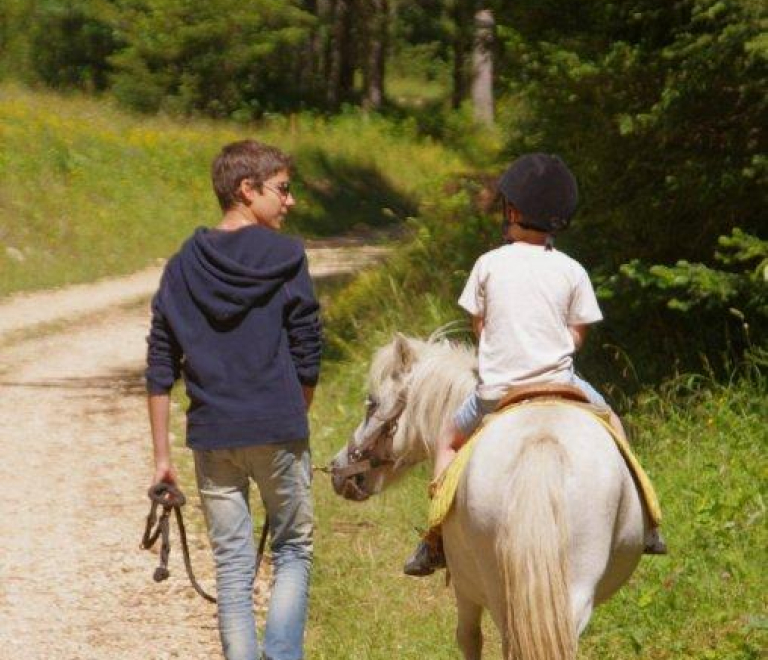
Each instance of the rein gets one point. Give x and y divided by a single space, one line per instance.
376 450
170 498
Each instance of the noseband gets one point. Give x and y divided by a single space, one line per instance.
376 450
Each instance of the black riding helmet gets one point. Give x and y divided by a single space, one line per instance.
543 189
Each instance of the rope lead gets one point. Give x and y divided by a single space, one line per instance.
170 498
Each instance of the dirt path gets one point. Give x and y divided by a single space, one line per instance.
23 311
74 466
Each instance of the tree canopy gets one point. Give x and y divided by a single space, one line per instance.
658 106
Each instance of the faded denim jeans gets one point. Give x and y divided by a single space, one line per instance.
282 473
473 409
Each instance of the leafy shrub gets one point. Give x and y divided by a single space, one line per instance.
673 317
214 57
659 107
62 43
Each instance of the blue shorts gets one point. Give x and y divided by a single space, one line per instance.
471 412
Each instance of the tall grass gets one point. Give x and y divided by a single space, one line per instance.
87 190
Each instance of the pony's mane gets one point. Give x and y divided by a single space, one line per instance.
446 372
443 374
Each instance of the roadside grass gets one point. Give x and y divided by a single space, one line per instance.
87 190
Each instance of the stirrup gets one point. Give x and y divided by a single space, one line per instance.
425 560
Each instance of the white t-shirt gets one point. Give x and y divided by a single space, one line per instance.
527 297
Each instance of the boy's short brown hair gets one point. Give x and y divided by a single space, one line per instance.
245 159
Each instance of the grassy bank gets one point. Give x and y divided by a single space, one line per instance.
87 190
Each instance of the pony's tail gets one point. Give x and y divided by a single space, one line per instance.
532 550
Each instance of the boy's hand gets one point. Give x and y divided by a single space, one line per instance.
309 394
165 473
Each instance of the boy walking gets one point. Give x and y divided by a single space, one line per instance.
237 318
531 306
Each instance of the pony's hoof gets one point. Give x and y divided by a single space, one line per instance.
655 545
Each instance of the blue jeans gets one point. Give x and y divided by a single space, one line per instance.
282 473
473 409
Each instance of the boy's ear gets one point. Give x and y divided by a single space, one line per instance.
405 355
246 192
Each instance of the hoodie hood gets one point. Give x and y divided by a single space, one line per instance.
228 273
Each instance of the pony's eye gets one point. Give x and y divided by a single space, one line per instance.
370 402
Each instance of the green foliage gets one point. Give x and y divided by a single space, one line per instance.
687 286
14 44
220 58
88 191
70 44
61 43
659 107
693 312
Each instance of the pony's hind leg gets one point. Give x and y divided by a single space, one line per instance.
582 604
468 632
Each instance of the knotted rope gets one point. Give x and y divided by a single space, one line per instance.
170 498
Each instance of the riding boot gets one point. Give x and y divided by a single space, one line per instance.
655 543
427 557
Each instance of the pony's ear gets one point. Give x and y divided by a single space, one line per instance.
405 356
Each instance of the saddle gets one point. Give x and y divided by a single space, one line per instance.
447 484
523 393
542 390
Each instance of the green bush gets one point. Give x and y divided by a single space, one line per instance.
671 318
61 43
659 108
218 58
70 44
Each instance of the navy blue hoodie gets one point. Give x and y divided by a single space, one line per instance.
237 317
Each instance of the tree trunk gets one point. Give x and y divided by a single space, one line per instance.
340 69
482 67
310 63
332 55
461 12
346 48
377 54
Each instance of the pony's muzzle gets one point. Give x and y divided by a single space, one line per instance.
349 487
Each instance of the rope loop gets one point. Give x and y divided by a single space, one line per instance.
171 499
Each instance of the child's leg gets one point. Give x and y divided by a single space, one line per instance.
597 399
429 553
451 437
465 421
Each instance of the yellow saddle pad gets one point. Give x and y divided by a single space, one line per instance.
448 483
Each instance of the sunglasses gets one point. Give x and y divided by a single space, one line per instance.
283 188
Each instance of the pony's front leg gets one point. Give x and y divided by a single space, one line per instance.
468 632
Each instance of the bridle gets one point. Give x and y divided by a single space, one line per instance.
376 449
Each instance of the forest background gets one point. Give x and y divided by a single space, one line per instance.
402 114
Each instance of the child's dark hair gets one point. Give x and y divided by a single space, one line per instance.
246 159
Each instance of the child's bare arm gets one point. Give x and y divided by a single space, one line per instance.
477 325
579 334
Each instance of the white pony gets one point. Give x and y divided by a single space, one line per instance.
547 521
